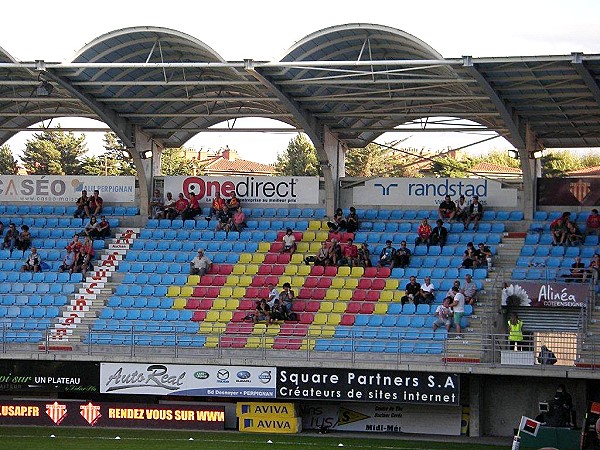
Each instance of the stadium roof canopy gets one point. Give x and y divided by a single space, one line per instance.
358 80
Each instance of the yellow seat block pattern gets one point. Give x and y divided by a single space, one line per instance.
391 283
337 282
345 294
272 329
340 306
307 344
179 303
258 258
308 236
302 247
251 269
386 296
218 304
321 330
320 319
314 247
303 270
351 283
297 281
314 225
211 342
238 292
232 304
334 319
173 291
232 280
290 269
343 271
187 291
326 307
321 236
193 280
245 258
297 258
225 292
245 281
238 269
357 272
263 247
284 279
381 308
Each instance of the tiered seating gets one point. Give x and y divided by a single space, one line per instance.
49 210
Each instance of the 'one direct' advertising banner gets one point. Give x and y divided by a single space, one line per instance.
187 380
367 386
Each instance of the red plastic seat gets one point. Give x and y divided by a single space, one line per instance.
270 258
330 271
317 271
225 269
335 235
246 304
370 272
367 308
265 269
306 317
347 319
258 280
271 279
353 307
365 283
232 327
383 272
206 280
192 303
205 304
239 316
305 293
324 283
378 284
199 292
346 236
280 235
312 306
318 293
372 296
359 295
277 269
251 292
298 305
276 247
218 280
283 258
298 235
213 292
264 292
286 329
311 282
198 316
299 329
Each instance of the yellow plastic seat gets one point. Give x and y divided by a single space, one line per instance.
218 304
345 294
179 303
245 258
339 306
314 247
397 295
284 279
320 319
327 330
308 236
297 258
297 282
232 280
351 283
290 269
381 308
253 342
238 269
259 328
326 307
263 247
357 272
225 316
245 281
193 280
238 292
304 270
272 329
332 294
225 292
173 291
314 225
232 304
315 330
391 283
268 341
187 291
258 258
337 283
386 296
307 344
343 271
251 269
334 319
212 316
211 342
302 247
321 236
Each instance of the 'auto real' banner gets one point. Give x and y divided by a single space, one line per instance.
250 190
189 380
546 295
431 191
364 385
64 188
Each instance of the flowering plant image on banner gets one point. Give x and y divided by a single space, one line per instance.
546 295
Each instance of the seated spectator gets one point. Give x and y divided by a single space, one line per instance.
24 238
469 257
426 294
559 230
68 262
592 223
593 269
447 209
94 205
364 255
103 228
233 203
451 292
238 222
423 234
443 313
224 219
322 256
411 291
168 211
352 220
474 214
577 272
33 263
462 209
387 255
273 294
82 205
180 205
217 205
200 264
92 229
402 256
156 205
574 235
458 307
349 255
335 252
469 290
1 228
439 235
86 253
193 208
289 242
262 311
10 239
338 223
75 244
484 256
286 300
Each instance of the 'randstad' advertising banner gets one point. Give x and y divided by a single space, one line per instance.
545 295
431 191
179 379
64 188
271 190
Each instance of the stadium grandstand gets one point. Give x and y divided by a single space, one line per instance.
138 312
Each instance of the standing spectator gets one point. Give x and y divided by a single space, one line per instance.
239 220
156 205
193 208
94 205
410 291
427 292
262 311
223 219
10 239
68 262
515 333
168 211
577 272
364 255
559 230
352 220
447 209
200 264
444 315
289 242
458 306
338 223
24 238
475 213
335 252
592 223
33 263
439 235
402 256
273 295
387 255
103 228
424 234
233 203
462 209
469 290
217 205
181 205
484 256
286 300
86 254
349 255
82 205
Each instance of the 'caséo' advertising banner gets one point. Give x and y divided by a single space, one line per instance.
544 295
64 188
180 379
268 190
364 385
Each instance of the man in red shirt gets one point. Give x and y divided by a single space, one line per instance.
217 205
592 223
350 254
94 206
424 234
193 208
181 204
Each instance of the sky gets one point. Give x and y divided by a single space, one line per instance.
264 30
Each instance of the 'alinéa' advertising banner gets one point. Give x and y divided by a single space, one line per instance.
270 190
64 188
179 379
367 385
545 295
431 191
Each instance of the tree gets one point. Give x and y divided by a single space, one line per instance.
54 152
378 161
446 167
499 157
174 162
558 163
8 164
117 157
299 159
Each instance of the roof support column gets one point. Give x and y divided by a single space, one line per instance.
336 165
144 167
530 169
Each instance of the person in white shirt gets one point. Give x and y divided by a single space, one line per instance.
458 306
200 264
427 292
273 295
289 242
444 315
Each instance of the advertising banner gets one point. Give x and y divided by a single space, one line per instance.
250 190
382 418
41 189
431 191
367 386
568 192
111 415
544 295
179 379
33 377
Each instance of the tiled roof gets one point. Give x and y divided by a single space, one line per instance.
494 168
223 165
595 170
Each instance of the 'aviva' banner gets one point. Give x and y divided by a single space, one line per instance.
272 190
431 191
64 188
